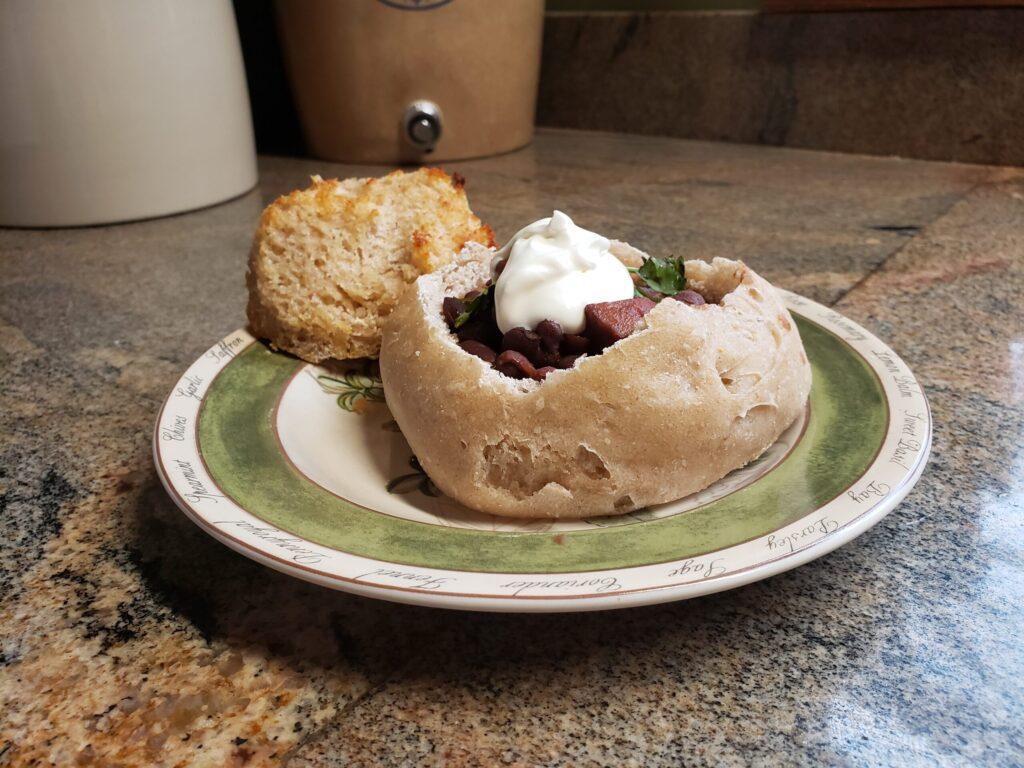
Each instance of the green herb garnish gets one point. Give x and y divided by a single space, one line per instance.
667 276
478 303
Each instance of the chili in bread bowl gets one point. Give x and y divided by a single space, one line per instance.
695 391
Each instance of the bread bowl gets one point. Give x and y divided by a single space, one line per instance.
694 393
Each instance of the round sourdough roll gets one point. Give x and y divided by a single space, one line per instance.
694 394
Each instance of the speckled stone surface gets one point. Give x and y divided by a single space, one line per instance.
130 638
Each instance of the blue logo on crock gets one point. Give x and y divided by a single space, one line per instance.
414 5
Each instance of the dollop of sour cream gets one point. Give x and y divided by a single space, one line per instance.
554 270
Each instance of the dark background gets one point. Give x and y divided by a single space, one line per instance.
935 83
277 125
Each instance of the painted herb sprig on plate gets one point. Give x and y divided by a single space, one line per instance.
353 388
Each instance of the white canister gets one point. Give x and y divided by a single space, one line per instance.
112 110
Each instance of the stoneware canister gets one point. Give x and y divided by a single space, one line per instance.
413 80
113 110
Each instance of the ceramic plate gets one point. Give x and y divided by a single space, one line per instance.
302 468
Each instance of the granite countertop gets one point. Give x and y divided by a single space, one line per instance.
129 637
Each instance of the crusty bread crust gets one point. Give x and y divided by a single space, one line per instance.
328 262
697 393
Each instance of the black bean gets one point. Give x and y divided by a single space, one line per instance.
650 293
568 361
451 308
523 341
515 365
574 344
550 333
482 351
692 298
476 329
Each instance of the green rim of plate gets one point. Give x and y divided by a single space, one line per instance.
238 443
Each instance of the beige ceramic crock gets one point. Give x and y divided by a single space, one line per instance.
413 80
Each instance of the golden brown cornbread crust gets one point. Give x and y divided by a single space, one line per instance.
697 393
328 262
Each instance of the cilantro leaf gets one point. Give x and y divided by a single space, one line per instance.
667 276
478 303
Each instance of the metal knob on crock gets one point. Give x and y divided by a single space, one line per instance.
422 125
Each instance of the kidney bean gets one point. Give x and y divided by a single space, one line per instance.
451 308
692 298
500 266
550 333
515 365
574 344
479 349
543 372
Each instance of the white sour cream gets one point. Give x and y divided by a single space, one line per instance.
554 270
